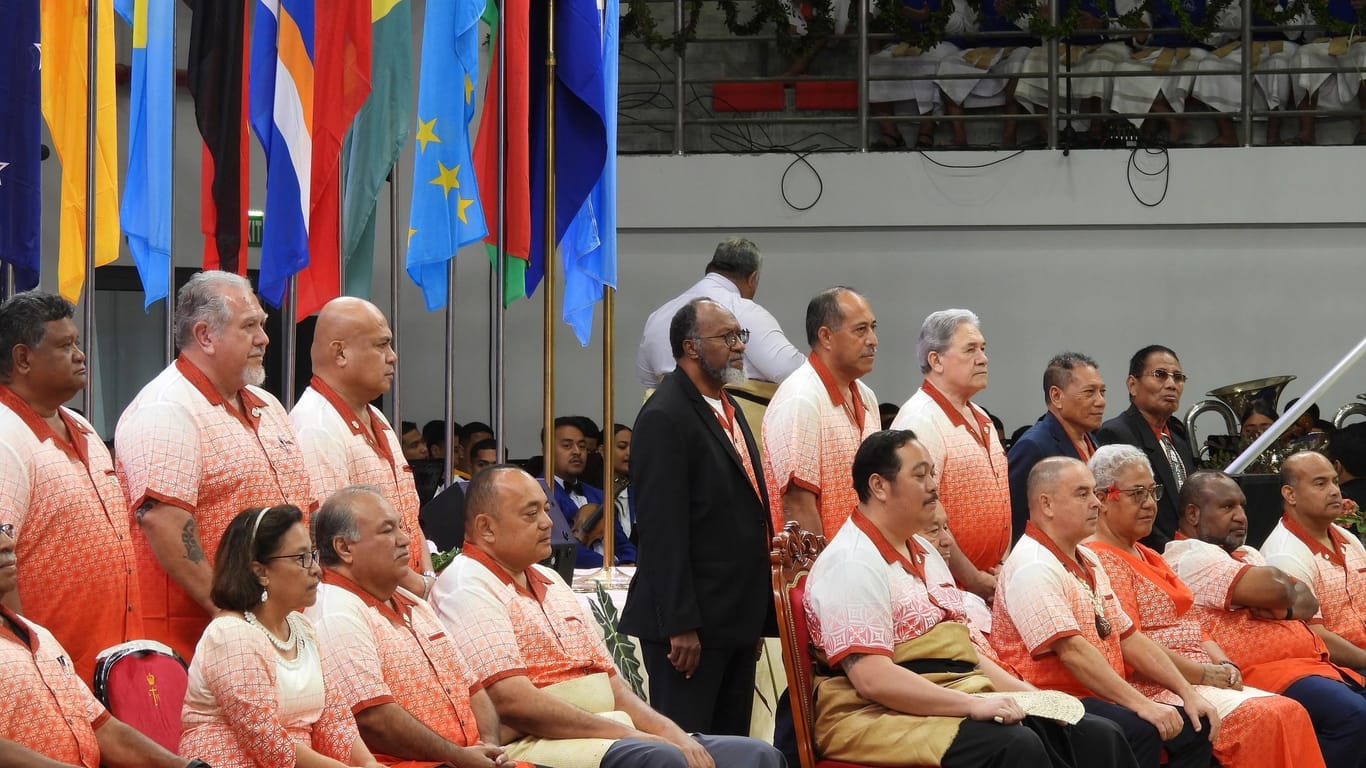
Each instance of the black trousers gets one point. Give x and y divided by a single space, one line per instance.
1189 749
719 697
1094 742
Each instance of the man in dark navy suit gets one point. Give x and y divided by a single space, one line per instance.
1075 395
572 494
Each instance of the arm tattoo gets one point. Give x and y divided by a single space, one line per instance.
848 662
189 536
142 511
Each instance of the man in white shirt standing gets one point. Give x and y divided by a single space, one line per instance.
731 280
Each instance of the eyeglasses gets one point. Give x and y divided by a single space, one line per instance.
1137 494
305 559
1162 374
730 339
7 529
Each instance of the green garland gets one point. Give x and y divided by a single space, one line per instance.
640 23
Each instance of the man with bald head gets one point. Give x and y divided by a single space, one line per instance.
200 443
541 657
1058 622
700 600
346 440
1309 547
1257 615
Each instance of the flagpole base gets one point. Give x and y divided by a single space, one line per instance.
611 577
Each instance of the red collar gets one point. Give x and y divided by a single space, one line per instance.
832 389
250 415
978 431
1334 555
1076 565
1159 433
399 613
534 579
27 639
78 448
374 436
914 566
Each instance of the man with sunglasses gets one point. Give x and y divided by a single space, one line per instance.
700 600
1155 384
1057 620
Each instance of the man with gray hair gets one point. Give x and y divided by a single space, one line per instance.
1075 395
974 486
732 279
200 443
388 658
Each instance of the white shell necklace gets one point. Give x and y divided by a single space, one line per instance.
283 646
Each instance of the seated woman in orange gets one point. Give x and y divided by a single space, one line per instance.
256 695
1259 728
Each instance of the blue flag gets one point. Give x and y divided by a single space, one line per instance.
446 213
20 201
589 248
580 128
146 213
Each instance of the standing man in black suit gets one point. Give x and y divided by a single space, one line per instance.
700 601
1155 384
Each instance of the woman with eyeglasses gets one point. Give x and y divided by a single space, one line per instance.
1259 728
256 696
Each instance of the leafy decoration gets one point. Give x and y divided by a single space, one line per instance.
622 647
442 559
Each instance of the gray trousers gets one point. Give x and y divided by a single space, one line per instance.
725 751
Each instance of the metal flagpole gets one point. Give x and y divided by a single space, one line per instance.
447 461
7 276
393 292
91 83
609 438
499 268
548 280
291 340
169 328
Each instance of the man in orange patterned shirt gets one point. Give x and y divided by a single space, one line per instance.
345 440
199 444
542 658
974 483
46 712
1256 613
1309 547
821 414
57 487
384 649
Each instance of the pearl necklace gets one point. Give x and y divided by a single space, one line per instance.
283 646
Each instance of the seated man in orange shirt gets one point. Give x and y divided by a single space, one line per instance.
1257 614
48 717
542 658
396 669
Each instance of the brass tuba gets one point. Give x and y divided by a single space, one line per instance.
1233 400
1349 410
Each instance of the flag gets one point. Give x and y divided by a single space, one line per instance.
590 246
446 213
146 212
341 66
377 136
517 195
217 62
282 119
20 201
580 125
64 76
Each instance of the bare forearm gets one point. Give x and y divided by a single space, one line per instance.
1153 662
388 728
879 680
486 718
529 710
173 535
1339 649
1305 605
1000 679
642 715
122 746
800 505
1094 672
414 582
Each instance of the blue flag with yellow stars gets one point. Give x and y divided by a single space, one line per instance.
445 208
